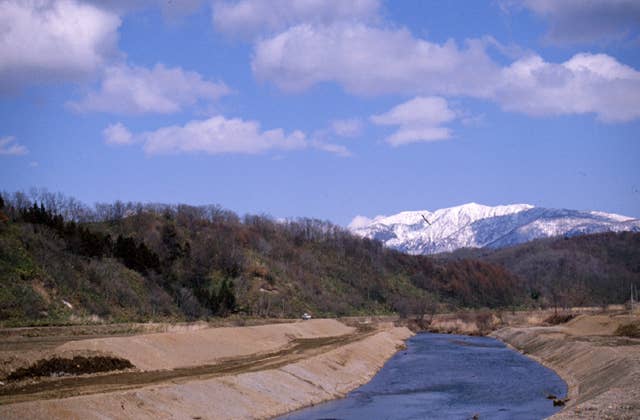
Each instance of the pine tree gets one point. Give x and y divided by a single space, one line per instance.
226 297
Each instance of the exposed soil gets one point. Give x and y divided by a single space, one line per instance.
631 330
559 318
79 365
61 387
157 346
602 370
268 370
29 338
311 368
207 346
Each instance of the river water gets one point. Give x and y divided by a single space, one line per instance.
443 376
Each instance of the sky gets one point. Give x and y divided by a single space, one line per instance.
325 109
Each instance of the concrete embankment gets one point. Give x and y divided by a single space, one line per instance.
262 393
602 371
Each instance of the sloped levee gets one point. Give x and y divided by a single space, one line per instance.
260 394
193 348
603 372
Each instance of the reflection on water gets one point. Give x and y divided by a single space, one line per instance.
449 377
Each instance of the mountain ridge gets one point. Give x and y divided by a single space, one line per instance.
474 225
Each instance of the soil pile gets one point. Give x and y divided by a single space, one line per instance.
79 365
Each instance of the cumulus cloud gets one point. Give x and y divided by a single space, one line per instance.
368 60
46 41
247 18
586 83
351 127
138 90
579 21
218 135
117 134
9 146
419 120
171 10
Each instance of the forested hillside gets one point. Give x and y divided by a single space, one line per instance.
581 270
60 259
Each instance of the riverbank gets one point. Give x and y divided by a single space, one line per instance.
601 370
258 372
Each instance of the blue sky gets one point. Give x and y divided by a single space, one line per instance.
326 109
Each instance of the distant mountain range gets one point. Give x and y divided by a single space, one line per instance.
476 226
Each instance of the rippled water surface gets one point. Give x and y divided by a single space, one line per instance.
449 377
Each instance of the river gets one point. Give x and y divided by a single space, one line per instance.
443 376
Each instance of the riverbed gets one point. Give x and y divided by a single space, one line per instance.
450 377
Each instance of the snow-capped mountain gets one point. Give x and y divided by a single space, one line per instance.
474 225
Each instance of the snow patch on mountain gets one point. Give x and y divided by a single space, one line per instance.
476 226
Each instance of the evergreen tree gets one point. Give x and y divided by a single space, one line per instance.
226 297
171 242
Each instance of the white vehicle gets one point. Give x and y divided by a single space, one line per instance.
306 316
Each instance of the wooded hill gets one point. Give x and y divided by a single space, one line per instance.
134 262
587 270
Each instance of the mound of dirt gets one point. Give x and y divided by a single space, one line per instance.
628 330
78 365
585 325
556 319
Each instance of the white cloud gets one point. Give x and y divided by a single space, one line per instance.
117 134
579 21
218 135
9 146
586 83
419 120
171 9
47 41
137 90
248 18
360 222
366 60
336 149
347 128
